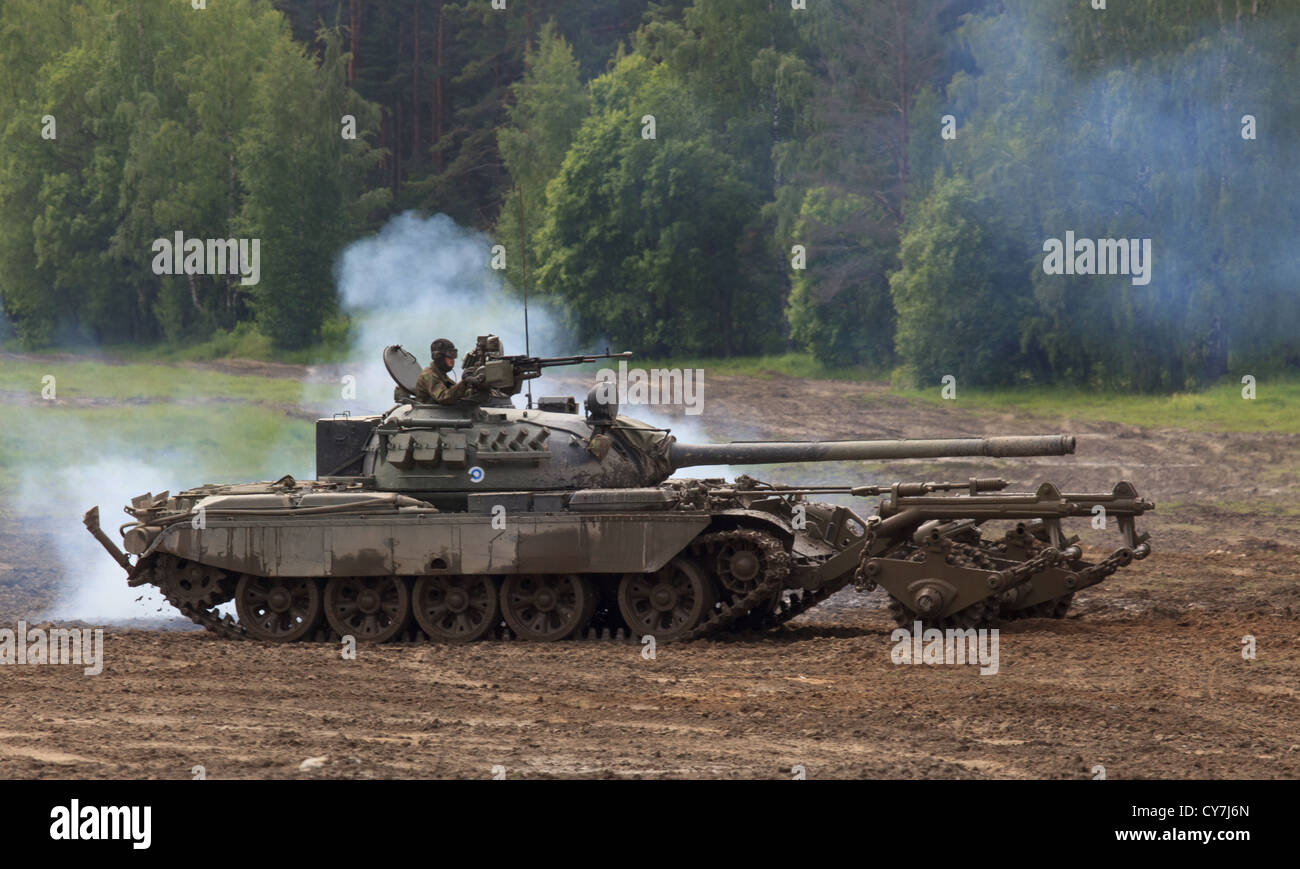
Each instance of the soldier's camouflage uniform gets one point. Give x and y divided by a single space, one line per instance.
436 387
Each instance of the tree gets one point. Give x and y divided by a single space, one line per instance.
847 177
1130 127
958 291
305 185
840 308
550 103
643 237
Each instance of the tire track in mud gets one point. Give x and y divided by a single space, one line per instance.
1143 697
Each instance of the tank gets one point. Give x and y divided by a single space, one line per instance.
483 520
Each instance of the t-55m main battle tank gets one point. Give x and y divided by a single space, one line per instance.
472 520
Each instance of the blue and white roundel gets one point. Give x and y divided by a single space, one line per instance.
476 474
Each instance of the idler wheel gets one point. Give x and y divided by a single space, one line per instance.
277 609
669 603
371 608
545 608
192 583
740 565
456 609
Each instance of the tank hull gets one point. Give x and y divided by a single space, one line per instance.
435 543
677 561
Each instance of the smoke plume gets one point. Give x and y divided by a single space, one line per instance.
425 278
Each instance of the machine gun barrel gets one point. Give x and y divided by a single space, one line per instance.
577 360
683 455
509 372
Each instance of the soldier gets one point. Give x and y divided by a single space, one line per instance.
435 385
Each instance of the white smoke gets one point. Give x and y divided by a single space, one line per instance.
418 279
91 586
425 278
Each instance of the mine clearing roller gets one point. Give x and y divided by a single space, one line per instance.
480 520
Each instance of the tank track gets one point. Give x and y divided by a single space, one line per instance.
796 604
171 576
200 605
778 568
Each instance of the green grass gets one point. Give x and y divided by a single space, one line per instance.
773 366
194 443
1259 507
139 380
1218 408
1276 407
242 342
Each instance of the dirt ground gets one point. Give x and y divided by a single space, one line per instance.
1146 677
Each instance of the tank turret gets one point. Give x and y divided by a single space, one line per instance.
431 450
484 442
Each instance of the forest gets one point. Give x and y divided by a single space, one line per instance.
878 183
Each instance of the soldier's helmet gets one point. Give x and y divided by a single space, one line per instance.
442 347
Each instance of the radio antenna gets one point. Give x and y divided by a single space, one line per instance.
523 261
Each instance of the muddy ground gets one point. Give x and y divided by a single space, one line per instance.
1145 678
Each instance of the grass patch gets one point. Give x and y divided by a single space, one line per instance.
183 446
1218 408
242 342
784 365
1277 506
139 380
1221 407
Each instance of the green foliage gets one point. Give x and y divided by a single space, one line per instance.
305 187
1128 125
642 236
770 366
775 127
847 171
158 133
550 104
840 308
663 244
1218 407
958 290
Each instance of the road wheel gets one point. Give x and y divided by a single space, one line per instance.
668 603
370 608
545 608
278 610
456 609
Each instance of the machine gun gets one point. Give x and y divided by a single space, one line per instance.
488 366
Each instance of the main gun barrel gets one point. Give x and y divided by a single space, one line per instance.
757 453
